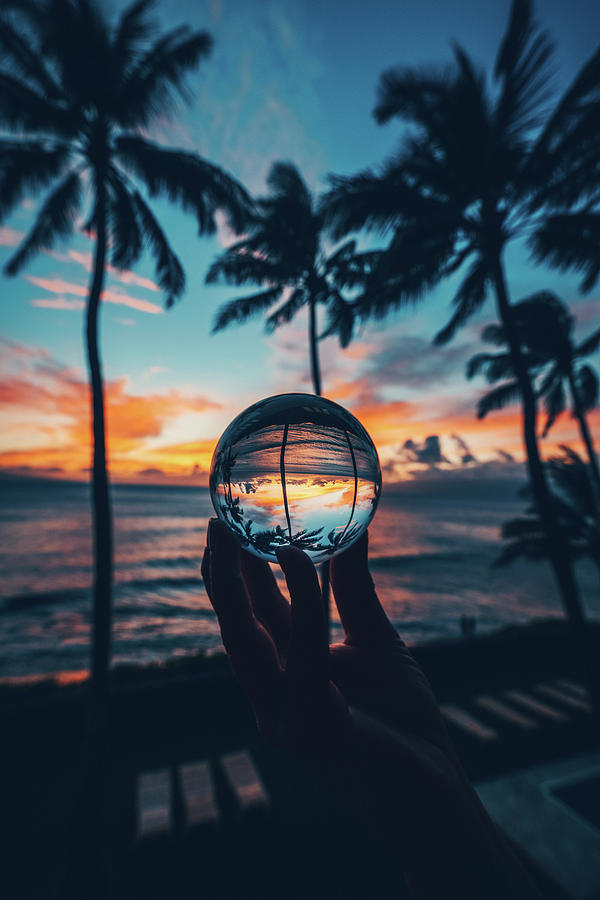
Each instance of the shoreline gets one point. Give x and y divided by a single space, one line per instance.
512 650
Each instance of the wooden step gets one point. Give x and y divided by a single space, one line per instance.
153 792
572 687
467 723
574 703
199 804
536 706
245 781
506 713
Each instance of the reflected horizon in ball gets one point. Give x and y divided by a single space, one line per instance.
299 470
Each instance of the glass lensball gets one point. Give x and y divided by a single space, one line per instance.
295 469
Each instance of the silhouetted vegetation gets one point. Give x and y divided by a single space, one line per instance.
570 480
80 93
478 168
545 328
282 251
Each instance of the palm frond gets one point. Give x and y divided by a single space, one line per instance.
55 219
284 180
157 79
133 27
589 345
126 235
555 402
367 200
341 318
169 271
238 266
75 33
243 308
498 398
286 312
588 387
353 271
24 109
185 178
413 94
568 129
493 365
468 299
522 68
531 544
494 334
25 167
570 241
27 60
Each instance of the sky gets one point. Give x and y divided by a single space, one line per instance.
288 80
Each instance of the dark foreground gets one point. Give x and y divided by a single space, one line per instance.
302 845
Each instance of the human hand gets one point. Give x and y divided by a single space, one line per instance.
362 711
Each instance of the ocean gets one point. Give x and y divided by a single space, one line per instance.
431 555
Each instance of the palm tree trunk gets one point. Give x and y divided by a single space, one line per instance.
101 511
560 559
315 367
586 438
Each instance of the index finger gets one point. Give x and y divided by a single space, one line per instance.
363 617
308 655
250 648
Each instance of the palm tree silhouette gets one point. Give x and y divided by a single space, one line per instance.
282 252
570 478
477 169
80 95
545 328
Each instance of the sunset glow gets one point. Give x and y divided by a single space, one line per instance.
171 386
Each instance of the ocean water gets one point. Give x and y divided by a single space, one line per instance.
430 557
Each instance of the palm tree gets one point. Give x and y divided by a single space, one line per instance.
569 476
282 252
80 95
477 169
545 328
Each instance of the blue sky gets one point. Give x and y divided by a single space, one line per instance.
288 80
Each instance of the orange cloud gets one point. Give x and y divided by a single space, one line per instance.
56 401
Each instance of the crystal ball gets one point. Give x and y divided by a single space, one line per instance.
295 469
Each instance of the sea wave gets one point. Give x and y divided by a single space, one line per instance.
20 602
400 560
171 562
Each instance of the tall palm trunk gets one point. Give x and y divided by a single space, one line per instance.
315 367
101 512
560 559
586 438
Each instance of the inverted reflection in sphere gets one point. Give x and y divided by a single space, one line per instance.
295 469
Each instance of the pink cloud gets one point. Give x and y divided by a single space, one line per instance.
10 237
59 303
110 295
125 276
15 350
58 285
